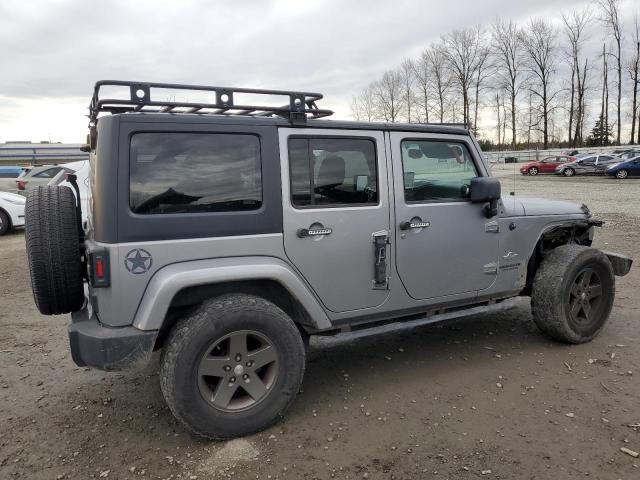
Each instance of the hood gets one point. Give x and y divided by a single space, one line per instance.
517 206
13 197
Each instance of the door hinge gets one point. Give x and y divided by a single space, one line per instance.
380 241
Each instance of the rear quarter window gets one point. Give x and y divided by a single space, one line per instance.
194 172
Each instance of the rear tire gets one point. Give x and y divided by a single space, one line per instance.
53 250
232 367
5 223
573 293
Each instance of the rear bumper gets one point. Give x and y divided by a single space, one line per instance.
94 345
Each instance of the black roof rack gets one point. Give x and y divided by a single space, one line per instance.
301 105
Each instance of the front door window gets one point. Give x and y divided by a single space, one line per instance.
436 171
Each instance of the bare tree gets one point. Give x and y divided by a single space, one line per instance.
461 53
540 44
363 106
611 18
634 73
388 95
422 72
482 68
508 49
440 77
574 29
407 78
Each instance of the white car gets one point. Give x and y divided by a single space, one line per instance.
81 170
11 211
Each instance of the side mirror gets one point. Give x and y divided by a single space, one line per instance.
486 189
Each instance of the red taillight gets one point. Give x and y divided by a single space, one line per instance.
21 185
100 269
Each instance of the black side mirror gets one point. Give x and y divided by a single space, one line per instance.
486 189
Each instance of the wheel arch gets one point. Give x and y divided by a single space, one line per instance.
579 232
181 286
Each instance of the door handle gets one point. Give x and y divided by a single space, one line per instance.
313 232
414 223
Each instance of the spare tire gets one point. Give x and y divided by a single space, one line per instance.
53 250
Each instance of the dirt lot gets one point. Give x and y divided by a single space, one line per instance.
487 397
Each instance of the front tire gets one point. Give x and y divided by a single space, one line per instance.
232 367
569 172
622 174
533 171
573 293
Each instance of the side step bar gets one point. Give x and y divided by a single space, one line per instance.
407 325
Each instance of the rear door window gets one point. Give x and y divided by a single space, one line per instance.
194 172
329 172
49 173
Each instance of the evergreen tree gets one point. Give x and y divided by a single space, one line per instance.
600 134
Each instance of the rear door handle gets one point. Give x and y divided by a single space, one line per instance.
414 224
313 232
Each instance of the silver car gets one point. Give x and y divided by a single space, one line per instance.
40 175
592 165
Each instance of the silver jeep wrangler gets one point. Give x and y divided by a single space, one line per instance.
225 232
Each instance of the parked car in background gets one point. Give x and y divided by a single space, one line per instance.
628 154
11 211
546 165
592 165
8 177
571 153
628 168
40 175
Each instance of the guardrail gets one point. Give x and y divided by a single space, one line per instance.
25 154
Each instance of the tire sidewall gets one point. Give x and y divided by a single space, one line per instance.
5 223
602 267
190 405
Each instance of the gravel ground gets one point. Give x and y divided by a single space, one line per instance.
486 397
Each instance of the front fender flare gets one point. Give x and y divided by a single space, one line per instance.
169 280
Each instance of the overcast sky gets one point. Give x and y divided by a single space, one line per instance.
53 51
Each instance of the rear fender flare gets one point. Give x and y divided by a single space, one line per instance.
171 279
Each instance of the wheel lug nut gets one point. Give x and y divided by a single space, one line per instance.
227 368
238 357
232 380
250 363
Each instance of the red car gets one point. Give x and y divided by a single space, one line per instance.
546 165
